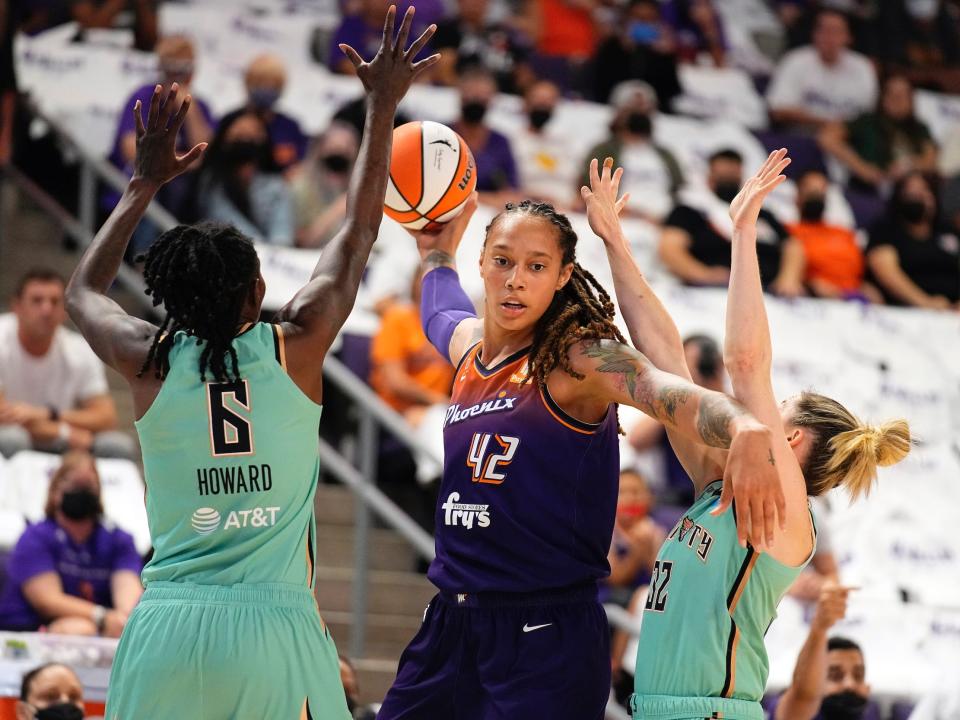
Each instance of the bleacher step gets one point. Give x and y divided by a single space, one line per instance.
389 592
387 550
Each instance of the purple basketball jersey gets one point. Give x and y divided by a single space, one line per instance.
529 494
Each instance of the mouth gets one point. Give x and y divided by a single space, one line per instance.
512 307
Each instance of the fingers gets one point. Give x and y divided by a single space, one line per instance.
427 62
607 167
352 55
192 156
166 110
622 203
181 115
387 39
615 180
154 107
726 497
757 535
594 175
585 192
769 521
404 30
138 119
781 503
420 42
742 511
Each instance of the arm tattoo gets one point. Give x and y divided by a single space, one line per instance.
770 459
438 258
714 417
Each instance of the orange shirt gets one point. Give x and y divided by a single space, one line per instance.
832 254
568 31
401 338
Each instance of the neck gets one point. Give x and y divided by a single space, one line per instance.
500 343
471 131
831 60
78 530
920 229
36 346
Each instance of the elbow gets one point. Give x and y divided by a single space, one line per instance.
746 362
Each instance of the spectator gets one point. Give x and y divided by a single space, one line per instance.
8 80
176 57
543 156
496 170
319 185
834 261
636 540
880 146
651 174
53 390
642 48
823 82
921 38
50 692
698 29
111 13
240 183
354 113
362 28
829 677
695 243
469 40
566 38
351 688
705 361
265 79
72 572
913 258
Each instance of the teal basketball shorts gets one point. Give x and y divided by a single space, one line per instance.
666 707
241 652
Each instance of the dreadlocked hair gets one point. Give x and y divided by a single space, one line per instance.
201 274
580 310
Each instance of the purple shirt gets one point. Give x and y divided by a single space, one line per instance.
365 39
84 569
496 168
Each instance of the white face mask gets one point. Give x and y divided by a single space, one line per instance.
923 9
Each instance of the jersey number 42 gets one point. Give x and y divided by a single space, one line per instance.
484 458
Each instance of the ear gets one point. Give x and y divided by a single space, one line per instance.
483 255
565 272
794 436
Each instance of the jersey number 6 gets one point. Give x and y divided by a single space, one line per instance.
230 433
485 465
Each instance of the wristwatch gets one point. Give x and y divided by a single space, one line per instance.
54 413
99 617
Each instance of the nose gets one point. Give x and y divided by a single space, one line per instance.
515 279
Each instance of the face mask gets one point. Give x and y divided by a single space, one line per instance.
61 711
540 117
923 9
812 208
264 98
473 112
846 705
726 190
639 124
336 163
80 504
632 511
241 152
913 211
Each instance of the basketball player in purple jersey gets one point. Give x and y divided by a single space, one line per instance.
529 488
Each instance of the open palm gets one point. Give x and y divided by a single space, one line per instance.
603 206
157 159
745 207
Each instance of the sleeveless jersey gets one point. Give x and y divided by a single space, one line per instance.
529 494
231 469
709 605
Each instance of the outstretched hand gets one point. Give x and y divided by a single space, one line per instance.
603 207
390 73
157 159
447 239
745 207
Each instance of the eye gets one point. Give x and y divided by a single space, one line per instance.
537 267
500 261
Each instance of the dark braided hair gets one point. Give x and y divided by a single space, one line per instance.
201 274
580 310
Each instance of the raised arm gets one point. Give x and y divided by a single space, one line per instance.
120 340
316 313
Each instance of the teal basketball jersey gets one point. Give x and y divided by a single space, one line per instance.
709 605
231 469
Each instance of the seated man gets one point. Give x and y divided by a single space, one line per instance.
72 572
695 243
53 390
829 678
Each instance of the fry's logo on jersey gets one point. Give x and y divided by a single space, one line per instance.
465 514
455 414
206 520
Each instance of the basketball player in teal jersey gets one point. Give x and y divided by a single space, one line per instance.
714 594
227 412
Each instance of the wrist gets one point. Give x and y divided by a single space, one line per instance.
140 184
53 413
99 617
63 431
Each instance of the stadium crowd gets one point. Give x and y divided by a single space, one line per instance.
838 79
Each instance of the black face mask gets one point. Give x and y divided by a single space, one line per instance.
846 705
639 124
913 211
812 208
80 504
726 190
242 152
336 163
61 711
473 112
540 117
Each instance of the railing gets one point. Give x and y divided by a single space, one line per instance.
373 414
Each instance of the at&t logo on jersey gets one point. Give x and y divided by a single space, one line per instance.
206 520
465 514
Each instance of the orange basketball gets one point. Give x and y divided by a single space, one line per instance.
432 174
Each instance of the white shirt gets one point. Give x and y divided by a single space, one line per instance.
545 163
65 377
833 92
647 178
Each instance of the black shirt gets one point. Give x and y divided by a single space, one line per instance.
497 48
713 249
933 263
